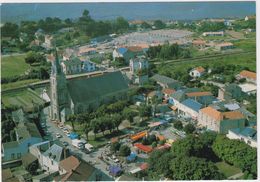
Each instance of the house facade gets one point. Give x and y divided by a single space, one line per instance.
71 66
88 66
219 121
247 135
27 134
205 34
197 72
230 91
248 75
189 108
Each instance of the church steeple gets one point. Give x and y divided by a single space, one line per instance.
56 68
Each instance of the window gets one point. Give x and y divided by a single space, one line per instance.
18 155
12 156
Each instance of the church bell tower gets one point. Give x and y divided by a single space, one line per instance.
58 90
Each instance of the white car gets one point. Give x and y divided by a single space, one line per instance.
58 135
116 160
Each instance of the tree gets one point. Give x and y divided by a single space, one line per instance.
121 25
87 129
193 168
94 123
115 147
232 151
124 150
117 119
159 164
145 111
10 30
145 25
34 57
72 119
129 114
178 125
189 128
159 24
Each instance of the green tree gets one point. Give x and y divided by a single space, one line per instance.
72 119
145 111
192 168
159 24
10 30
115 147
117 119
178 125
189 128
124 150
129 114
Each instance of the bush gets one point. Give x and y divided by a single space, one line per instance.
189 128
178 125
124 150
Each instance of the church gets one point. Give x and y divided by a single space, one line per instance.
82 94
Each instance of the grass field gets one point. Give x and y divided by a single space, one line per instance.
17 84
13 65
246 44
246 60
22 98
227 169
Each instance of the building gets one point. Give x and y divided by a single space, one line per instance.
139 70
71 66
199 43
49 155
225 46
205 34
197 72
248 88
47 41
247 135
220 121
8 176
230 91
73 169
189 108
27 134
88 66
167 92
166 82
80 95
249 18
119 52
84 51
248 75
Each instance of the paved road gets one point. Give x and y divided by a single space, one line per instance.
92 157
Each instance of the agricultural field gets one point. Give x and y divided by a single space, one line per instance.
25 98
13 65
17 84
246 44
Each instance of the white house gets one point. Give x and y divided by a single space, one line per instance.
205 34
197 72
247 135
49 156
189 108
119 52
137 64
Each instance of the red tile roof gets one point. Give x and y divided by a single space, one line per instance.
69 163
144 166
198 42
200 69
248 74
135 49
138 136
198 94
233 115
144 148
168 91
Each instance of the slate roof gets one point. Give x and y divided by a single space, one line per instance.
163 79
192 104
90 89
178 95
247 132
27 130
55 152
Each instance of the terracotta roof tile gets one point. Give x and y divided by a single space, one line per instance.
135 49
248 74
200 69
168 91
69 163
232 115
212 113
198 94
144 148
199 42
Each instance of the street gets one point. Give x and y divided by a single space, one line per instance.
92 158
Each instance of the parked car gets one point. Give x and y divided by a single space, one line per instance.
58 135
65 143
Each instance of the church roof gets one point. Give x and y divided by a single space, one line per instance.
89 89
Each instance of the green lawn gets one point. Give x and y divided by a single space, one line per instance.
25 98
246 44
13 65
17 84
227 169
